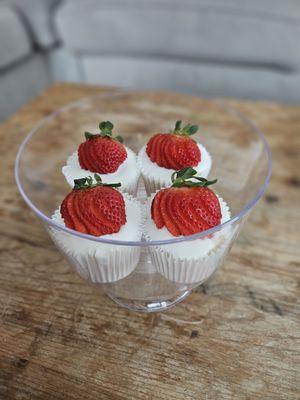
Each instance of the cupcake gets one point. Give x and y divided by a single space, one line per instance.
166 153
99 209
188 207
106 155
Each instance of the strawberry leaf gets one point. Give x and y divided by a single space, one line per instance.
184 178
88 183
97 178
187 130
119 139
177 126
88 135
106 128
192 129
186 173
79 183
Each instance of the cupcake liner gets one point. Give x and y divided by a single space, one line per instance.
94 261
130 187
194 269
187 271
72 170
152 179
152 185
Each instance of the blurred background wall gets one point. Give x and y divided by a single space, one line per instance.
232 48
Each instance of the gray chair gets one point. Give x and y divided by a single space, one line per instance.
26 38
245 49
235 48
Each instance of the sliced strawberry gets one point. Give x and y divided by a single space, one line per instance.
94 154
65 213
154 148
169 151
149 147
196 209
174 150
80 210
187 207
192 153
102 154
156 210
112 209
172 204
94 209
168 221
93 222
75 213
175 205
82 157
159 147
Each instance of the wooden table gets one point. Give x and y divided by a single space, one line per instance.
233 338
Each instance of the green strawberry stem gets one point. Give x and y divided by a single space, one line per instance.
88 183
183 178
106 128
187 130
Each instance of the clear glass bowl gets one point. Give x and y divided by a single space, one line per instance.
149 276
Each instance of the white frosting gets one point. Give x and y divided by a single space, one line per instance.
191 248
131 231
127 173
152 170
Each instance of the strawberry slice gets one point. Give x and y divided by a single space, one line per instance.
168 221
102 152
93 222
81 222
149 147
175 150
197 210
184 220
65 212
156 210
75 214
161 159
82 157
154 147
188 206
169 149
94 208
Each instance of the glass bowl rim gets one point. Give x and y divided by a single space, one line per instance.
145 243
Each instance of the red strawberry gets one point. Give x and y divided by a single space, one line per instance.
94 208
175 150
102 152
187 207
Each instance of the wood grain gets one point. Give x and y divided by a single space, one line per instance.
236 337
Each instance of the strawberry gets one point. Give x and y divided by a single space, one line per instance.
102 152
94 208
188 206
175 150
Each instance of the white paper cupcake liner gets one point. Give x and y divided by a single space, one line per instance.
187 271
194 269
97 267
154 180
127 175
94 261
153 185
